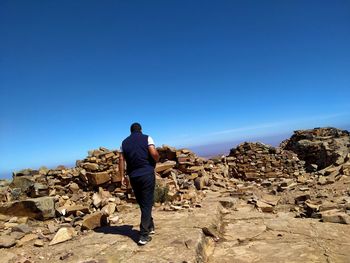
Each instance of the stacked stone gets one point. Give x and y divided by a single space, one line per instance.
100 167
80 198
320 147
185 175
257 161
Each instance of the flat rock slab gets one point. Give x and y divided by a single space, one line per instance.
178 238
252 236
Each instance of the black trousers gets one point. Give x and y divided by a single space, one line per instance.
143 187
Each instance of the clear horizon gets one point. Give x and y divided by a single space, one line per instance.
75 75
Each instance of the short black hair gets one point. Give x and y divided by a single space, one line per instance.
135 127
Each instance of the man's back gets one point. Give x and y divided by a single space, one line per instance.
135 149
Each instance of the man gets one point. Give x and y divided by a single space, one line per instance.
140 154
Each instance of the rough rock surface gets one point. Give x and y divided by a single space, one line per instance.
37 208
321 146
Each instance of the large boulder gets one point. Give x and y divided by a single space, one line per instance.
98 178
37 208
95 220
25 172
25 183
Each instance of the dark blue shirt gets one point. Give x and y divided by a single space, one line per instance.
138 159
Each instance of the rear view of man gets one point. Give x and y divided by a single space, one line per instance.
140 154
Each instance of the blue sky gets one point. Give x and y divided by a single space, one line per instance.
75 74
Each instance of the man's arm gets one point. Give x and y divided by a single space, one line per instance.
154 153
121 168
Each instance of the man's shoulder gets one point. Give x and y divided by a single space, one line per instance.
130 138
126 140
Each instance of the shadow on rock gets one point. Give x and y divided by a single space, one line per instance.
124 230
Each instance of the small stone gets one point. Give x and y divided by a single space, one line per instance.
301 179
39 243
13 220
72 210
10 225
301 198
95 220
52 227
176 207
80 213
17 235
165 166
201 182
108 209
62 235
98 178
67 255
4 217
91 166
7 241
68 219
123 208
23 220
24 228
114 220
27 238
211 232
74 187
264 207
322 180
228 202
270 199
97 200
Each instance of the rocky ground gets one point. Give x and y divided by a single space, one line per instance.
258 204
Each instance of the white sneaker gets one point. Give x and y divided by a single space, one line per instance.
144 240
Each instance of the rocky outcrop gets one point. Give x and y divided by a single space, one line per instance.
320 147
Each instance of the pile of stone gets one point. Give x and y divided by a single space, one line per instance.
185 175
320 147
90 195
258 161
100 168
66 200
326 152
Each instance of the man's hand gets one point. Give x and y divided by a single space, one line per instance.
125 181
121 169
